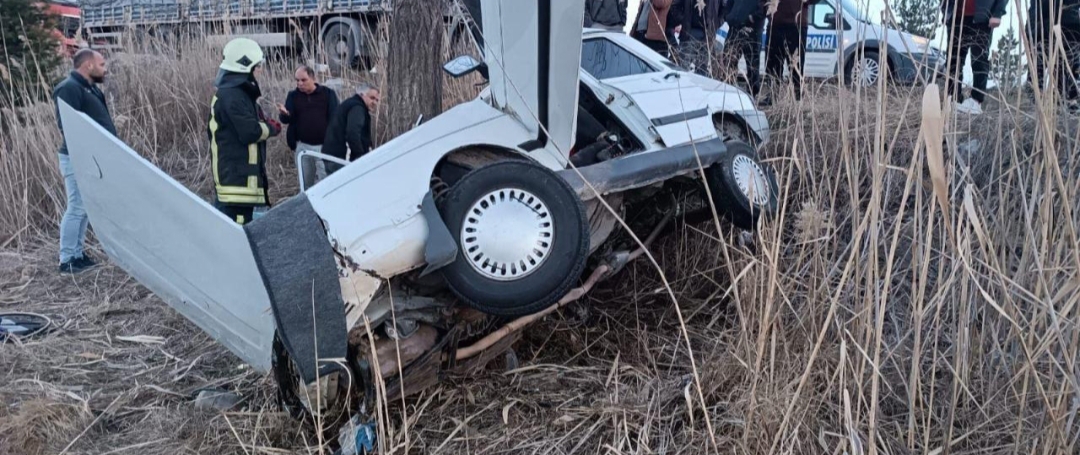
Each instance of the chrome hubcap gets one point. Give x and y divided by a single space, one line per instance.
866 71
751 180
507 234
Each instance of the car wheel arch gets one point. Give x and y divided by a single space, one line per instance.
870 45
720 117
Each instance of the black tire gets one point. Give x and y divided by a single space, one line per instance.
334 36
727 194
551 275
868 55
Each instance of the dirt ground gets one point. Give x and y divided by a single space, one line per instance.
119 372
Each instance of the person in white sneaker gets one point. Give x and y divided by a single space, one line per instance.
971 24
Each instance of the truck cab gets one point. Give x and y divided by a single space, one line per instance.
842 39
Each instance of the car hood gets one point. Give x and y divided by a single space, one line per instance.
664 101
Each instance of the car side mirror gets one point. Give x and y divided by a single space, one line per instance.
830 19
462 65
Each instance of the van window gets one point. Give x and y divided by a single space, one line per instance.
604 59
823 16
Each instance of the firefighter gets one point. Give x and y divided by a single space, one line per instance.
238 131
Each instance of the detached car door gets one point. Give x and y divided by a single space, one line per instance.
174 243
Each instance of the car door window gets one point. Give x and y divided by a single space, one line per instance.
603 59
823 17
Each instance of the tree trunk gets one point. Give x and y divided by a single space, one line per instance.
414 68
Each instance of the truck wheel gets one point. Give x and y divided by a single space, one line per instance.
742 188
339 45
522 234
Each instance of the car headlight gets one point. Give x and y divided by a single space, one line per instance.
919 44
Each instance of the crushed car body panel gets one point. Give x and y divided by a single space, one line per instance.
174 243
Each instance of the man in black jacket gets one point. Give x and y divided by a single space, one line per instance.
307 111
349 135
746 23
696 22
971 24
238 131
605 14
1043 15
79 91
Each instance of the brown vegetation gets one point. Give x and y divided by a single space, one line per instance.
870 317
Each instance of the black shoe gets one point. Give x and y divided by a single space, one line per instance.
765 102
85 261
72 266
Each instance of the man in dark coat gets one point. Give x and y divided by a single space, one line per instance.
696 22
605 14
786 41
307 111
79 91
1043 15
349 135
238 131
746 23
970 24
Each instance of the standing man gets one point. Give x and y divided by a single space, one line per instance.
971 25
1042 16
79 91
696 22
605 14
651 25
307 111
238 131
349 135
786 42
746 23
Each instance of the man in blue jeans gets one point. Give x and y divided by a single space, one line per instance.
80 91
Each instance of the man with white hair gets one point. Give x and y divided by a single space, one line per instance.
348 136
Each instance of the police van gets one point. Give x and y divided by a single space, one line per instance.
844 39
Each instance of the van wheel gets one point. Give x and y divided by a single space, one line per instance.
865 69
741 186
522 238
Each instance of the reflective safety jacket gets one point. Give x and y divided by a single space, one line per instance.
238 132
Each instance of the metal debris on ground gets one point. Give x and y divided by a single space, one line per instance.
217 399
23 325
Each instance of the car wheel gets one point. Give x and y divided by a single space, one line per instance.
741 186
522 234
864 70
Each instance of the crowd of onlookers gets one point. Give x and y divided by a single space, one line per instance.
685 31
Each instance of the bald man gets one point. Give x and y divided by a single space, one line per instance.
79 91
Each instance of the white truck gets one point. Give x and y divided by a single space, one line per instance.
408 262
842 38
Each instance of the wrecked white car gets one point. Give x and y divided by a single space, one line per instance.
415 260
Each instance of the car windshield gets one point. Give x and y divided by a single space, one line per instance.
858 9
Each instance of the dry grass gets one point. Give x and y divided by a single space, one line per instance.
868 318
